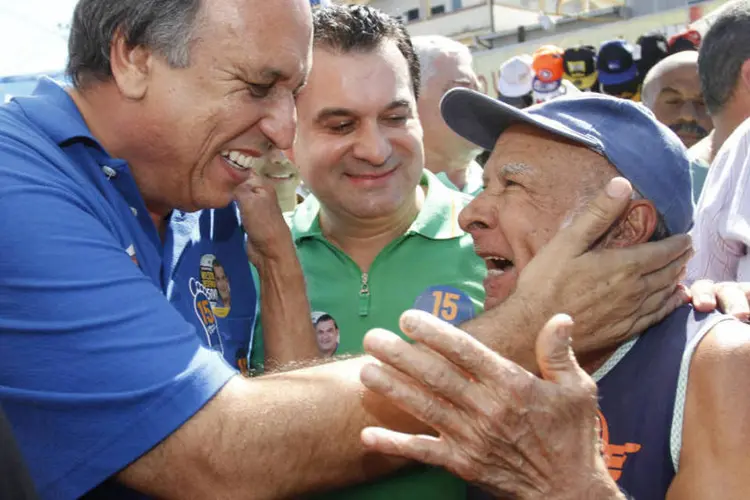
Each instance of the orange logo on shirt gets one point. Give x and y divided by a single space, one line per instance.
614 454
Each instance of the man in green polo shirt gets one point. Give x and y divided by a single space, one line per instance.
380 234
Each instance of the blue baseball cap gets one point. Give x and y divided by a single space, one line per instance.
643 150
615 63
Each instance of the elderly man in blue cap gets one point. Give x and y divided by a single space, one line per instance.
672 409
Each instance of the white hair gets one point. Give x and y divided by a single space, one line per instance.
431 47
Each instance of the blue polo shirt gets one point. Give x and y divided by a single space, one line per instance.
110 339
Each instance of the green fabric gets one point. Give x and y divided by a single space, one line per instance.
433 252
474 183
698 172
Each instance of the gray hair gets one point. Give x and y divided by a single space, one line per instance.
164 26
430 47
724 49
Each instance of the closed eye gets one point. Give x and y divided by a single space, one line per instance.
259 91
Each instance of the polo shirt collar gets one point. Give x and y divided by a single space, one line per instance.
438 219
53 110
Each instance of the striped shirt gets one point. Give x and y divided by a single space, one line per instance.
721 234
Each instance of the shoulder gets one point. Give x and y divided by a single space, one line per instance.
723 351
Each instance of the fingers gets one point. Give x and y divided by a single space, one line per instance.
704 296
733 300
421 364
425 449
653 256
555 358
411 397
590 225
668 275
455 345
675 298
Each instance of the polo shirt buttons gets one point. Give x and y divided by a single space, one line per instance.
109 171
135 212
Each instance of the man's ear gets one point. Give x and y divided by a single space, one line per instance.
131 67
637 225
745 74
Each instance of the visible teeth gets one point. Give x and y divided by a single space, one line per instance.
238 160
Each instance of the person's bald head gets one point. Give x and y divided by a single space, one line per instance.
445 64
672 90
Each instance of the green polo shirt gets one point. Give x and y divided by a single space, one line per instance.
431 267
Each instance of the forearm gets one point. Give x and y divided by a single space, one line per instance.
271 437
288 334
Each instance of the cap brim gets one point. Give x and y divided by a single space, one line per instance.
618 78
481 119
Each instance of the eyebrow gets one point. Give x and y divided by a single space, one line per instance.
514 168
334 112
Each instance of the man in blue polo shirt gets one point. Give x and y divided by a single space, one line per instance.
114 309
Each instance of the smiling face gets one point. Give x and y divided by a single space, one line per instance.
534 184
359 141
200 126
328 335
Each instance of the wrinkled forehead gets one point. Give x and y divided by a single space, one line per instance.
548 161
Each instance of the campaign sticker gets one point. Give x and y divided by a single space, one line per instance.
447 303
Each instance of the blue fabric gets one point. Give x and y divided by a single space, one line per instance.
644 151
636 400
103 328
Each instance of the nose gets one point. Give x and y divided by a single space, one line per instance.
372 145
478 215
689 111
277 156
280 123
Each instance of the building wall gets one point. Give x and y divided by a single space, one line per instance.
488 62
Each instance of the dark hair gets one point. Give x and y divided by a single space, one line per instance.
725 47
348 28
165 26
325 317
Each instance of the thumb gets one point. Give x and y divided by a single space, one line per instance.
589 226
554 355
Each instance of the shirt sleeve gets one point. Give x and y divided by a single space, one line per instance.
721 233
97 366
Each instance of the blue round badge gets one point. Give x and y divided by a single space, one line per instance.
447 303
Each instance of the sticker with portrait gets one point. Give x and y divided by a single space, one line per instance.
216 282
326 332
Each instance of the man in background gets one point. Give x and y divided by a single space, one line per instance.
446 64
721 235
672 90
724 69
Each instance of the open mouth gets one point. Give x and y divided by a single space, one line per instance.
498 264
238 160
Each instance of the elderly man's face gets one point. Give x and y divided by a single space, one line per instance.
449 71
534 184
679 104
359 141
205 123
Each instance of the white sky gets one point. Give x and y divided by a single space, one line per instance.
30 40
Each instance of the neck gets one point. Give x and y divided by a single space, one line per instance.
363 239
732 115
112 131
454 165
